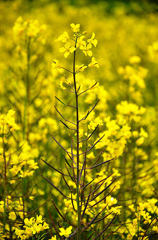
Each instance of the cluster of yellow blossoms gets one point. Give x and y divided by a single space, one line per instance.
30 29
79 43
31 227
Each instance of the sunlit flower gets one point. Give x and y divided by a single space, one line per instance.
65 232
67 49
75 28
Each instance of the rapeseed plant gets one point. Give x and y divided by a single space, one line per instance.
78 205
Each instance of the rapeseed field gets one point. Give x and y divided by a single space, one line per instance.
78 120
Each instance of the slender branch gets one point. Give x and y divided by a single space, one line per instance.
86 204
90 134
92 221
56 169
105 227
87 89
92 145
89 111
67 126
102 198
63 116
61 145
101 164
55 226
64 103
57 188
62 215
67 70
103 190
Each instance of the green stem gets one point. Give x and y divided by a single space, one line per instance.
27 98
25 121
5 185
77 139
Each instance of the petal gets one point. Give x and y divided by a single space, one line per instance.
66 54
62 49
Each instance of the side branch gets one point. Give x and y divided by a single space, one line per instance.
57 188
84 118
56 169
92 145
64 103
61 146
63 116
88 88
67 126
90 134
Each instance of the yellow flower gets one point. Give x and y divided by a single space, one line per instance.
75 28
140 141
80 68
53 238
93 63
134 59
80 42
67 49
92 40
86 50
65 232
63 38
12 216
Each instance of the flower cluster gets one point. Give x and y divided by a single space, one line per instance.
28 29
79 44
31 227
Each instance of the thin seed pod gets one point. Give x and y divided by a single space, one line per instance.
67 184
83 166
39 206
61 145
60 101
70 174
103 190
102 217
102 198
86 204
62 215
67 126
100 164
55 226
92 145
90 236
84 118
101 180
98 187
88 89
92 221
90 134
72 203
67 162
56 188
72 234
87 184
147 228
105 227
63 116
55 168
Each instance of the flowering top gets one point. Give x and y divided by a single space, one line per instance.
80 43
77 42
28 29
